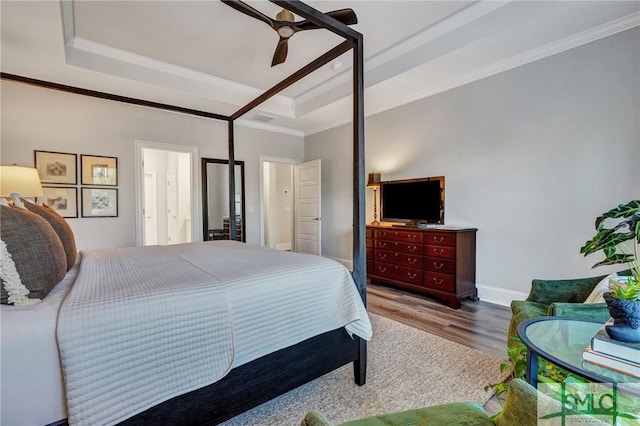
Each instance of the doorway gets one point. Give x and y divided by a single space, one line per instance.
290 209
165 195
277 179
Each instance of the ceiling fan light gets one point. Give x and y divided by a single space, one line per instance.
285 31
285 15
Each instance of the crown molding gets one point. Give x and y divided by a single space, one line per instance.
460 19
571 42
99 57
605 30
269 127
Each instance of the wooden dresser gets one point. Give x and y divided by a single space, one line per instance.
436 261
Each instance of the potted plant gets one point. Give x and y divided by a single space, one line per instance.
615 231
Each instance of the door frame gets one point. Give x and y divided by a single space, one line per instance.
196 206
153 174
269 159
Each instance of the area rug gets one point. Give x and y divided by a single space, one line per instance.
407 368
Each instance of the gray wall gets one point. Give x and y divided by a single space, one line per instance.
41 119
531 156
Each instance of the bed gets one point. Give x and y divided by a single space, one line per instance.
285 312
33 388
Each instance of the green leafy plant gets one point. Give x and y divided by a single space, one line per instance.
517 363
613 237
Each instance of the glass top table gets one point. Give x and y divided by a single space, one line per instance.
561 341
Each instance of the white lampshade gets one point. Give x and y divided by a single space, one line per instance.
22 180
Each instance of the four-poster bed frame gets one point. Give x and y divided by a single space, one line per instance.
265 378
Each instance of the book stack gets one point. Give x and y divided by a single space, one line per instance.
613 354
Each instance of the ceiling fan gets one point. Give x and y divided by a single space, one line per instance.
286 26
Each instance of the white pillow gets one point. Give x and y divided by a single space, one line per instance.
598 291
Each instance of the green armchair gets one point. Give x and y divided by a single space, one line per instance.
520 408
560 298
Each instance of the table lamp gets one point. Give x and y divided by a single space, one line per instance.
374 182
17 181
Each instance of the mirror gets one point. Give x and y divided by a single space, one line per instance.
215 199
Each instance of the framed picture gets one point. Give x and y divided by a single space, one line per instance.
61 199
98 170
56 167
99 202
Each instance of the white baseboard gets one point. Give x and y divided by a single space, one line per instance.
283 246
499 296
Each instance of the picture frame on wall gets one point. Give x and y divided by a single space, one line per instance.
63 200
99 202
56 167
99 170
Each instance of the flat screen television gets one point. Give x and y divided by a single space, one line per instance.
413 201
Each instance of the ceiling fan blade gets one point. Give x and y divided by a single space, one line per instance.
250 11
346 16
281 52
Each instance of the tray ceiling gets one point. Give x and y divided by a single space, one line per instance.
205 55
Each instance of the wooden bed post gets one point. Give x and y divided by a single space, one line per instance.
359 248
232 184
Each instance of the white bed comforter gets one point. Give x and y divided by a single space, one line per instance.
142 325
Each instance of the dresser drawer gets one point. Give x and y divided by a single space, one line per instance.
369 242
398 246
440 238
408 236
399 273
440 265
438 281
398 258
445 252
370 267
370 254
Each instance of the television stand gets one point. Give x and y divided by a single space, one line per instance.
440 262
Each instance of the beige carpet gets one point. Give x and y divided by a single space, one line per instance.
407 368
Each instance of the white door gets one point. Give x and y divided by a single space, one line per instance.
150 209
173 232
307 207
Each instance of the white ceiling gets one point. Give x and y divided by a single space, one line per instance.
206 55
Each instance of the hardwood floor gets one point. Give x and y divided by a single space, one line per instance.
480 325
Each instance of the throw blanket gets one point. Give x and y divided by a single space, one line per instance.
142 325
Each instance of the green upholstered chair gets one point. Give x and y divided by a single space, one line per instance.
561 298
520 408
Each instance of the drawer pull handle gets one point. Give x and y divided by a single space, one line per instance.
382 269
382 244
413 237
438 239
383 233
412 261
440 251
438 266
438 282
412 276
382 255
413 248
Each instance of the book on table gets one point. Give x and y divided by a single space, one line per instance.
603 344
611 362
